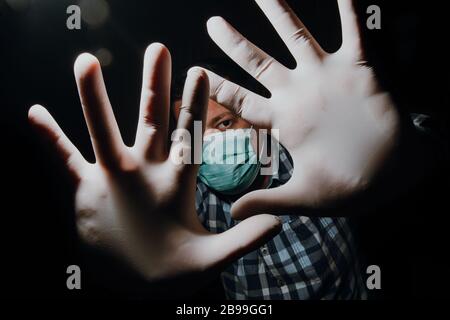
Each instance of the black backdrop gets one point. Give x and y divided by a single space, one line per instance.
37 52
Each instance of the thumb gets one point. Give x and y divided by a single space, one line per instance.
280 200
243 238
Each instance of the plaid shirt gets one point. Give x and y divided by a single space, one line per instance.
311 258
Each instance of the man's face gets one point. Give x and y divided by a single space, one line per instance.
218 118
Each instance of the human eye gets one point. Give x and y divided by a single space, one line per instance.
225 124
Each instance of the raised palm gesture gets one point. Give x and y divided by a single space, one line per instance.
136 201
336 123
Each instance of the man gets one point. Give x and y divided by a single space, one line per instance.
334 120
311 258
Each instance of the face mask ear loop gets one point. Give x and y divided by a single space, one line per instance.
263 150
259 151
262 147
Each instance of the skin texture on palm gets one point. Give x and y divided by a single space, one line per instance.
135 201
336 123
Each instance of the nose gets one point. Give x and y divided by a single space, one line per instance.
209 131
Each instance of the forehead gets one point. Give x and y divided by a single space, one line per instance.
214 108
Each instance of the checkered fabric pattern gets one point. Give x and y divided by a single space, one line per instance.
311 258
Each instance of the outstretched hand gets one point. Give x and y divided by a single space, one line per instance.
332 117
136 201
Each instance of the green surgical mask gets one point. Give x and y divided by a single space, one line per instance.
230 163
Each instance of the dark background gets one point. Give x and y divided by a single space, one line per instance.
407 238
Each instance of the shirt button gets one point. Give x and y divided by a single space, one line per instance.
264 250
280 282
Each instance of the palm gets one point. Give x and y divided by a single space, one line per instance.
339 130
331 116
137 201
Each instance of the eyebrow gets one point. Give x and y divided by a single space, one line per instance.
216 118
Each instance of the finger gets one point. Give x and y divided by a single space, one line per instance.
295 35
256 62
102 125
280 200
246 104
192 112
243 238
151 137
41 119
351 39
